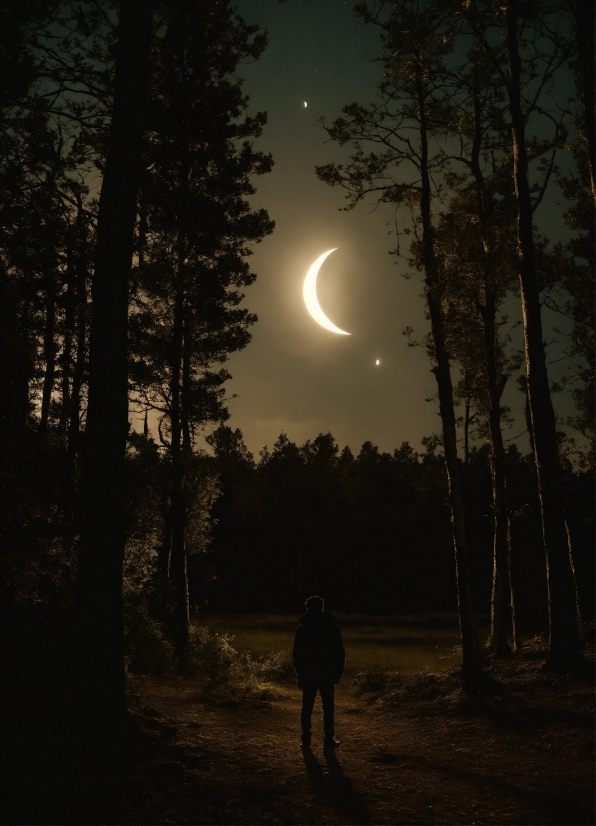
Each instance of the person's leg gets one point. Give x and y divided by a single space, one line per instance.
308 700
327 696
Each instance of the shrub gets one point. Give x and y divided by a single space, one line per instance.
232 676
211 655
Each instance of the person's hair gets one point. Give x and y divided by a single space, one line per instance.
315 603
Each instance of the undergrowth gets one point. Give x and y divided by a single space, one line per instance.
510 688
223 672
231 676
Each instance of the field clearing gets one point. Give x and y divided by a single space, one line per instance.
408 644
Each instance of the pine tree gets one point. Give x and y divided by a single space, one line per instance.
536 48
101 544
478 265
195 231
409 168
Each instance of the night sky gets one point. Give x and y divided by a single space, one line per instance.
296 376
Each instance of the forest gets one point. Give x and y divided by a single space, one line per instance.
129 158
370 531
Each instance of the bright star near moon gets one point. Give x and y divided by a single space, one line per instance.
377 362
305 104
309 291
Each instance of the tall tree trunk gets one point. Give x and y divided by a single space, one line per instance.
178 565
467 622
466 468
442 371
578 601
101 545
186 379
502 614
165 549
49 348
502 605
355 578
569 542
564 633
178 385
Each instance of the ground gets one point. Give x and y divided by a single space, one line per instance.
416 751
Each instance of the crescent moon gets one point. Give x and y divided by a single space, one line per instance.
309 291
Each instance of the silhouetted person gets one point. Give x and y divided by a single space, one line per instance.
319 662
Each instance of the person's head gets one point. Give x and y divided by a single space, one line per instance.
315 603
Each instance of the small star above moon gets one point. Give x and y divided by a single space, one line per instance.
305 104
377 362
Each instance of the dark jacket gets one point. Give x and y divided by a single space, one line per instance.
318 649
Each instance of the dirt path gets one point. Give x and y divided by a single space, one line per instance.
216 764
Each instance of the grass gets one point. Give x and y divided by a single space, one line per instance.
408 644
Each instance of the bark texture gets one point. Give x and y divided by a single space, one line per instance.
502 604
101 544
178 566
442 371
564 632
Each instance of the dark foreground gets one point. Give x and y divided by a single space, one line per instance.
413 751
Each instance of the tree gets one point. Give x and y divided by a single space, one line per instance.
417 38
54 133
236 513
531 50
101 544
36 175
476 244
288 533
476 250
195 232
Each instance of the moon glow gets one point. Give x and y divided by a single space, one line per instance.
309 291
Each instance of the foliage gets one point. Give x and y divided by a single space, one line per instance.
196 226
228 675
56 94
369 531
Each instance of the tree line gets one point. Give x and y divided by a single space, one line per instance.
127 162
371 531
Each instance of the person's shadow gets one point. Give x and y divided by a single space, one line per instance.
335 789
